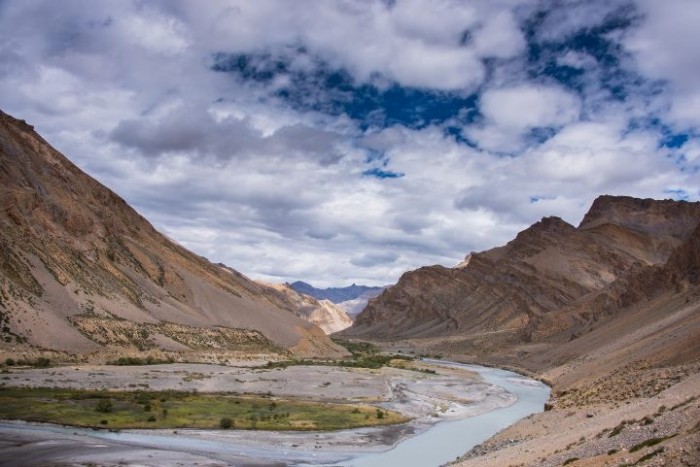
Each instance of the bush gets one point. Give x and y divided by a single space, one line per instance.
225 423
152 418
9 362
42 362
104 405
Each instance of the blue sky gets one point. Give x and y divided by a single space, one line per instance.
350 141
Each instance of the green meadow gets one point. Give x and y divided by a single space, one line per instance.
172 409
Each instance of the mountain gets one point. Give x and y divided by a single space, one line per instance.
81 272
355 306
351 300
533 288
335 294
607 313
323 313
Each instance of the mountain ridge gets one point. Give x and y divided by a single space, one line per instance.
522 285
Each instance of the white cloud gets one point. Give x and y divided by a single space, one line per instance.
510 112
529 106
229 169
664 47
499 37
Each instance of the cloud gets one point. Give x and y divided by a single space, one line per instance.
527 106
350 141
367 260
663 47
509 113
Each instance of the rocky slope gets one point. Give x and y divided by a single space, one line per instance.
82 272
626 392
323 313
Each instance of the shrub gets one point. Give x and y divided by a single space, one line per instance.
104 405
152 418
225 423
42 362
9 362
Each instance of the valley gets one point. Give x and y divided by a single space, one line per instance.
96 305
404 401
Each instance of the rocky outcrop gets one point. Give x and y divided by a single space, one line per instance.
71 249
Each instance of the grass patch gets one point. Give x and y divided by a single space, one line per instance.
368 361
358 349
136 361
364 355
174 409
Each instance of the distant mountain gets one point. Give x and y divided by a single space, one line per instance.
355 306
335 294
82 273
323 313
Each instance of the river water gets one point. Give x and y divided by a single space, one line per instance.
450 439
440 443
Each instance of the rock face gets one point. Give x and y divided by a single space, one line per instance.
552 283
81 271
323 313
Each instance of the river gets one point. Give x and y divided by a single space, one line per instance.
439 443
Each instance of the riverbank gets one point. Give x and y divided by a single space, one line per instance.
453 392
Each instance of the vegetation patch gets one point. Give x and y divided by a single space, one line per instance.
137 361
175 409
364 355
650 442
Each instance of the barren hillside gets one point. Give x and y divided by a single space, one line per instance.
82 272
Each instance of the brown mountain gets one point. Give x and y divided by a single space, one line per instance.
608 313
82 272
532 288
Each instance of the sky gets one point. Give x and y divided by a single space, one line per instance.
349 141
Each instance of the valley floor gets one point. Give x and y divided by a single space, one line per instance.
417 393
